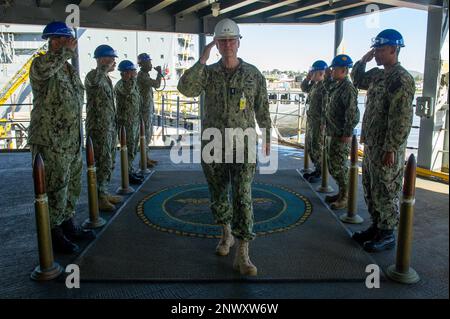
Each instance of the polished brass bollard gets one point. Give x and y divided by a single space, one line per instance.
401 271
48 269
125 188
352 217
324 187
143 146
94 220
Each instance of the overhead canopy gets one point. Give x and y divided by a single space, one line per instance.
194 16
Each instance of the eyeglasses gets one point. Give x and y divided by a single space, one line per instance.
223 41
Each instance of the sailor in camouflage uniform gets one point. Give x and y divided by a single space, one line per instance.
317 99
146 85
128 103
54 132
342 116
386 125
235 93
101 122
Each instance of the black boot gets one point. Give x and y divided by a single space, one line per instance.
60 243
139 175
315 176
76 233
383 240
134 179
362 236
307 175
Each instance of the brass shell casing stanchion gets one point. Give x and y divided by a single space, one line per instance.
324 187
352 217
143 152
94 220
125 188
401 271
48 269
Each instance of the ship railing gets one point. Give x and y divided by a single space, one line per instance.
183 115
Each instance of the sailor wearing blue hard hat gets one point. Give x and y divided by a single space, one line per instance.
146 85
384 132
340 66
59 35
54 133
106 55
316 101
385 47
101 122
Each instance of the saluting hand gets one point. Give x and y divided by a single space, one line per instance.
368 56
206 52
71 44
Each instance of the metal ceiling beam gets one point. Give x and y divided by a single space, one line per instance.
285 20
190 6
259 5
84 4
227 6
122 5
302 6
332 10
356 12
44 3
160 6
416 4
266 8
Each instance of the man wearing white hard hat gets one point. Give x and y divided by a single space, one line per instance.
235 94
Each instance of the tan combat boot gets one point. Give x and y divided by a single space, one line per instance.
226 242
332 198
150 164
104 204
242 261
341 203
114 199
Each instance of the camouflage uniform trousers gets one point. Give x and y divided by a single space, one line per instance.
63 181
382 186
104 144
338 163
220 176
132 132
314 144
148 125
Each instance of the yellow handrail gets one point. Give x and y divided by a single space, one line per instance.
19 78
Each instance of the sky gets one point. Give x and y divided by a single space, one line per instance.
296 47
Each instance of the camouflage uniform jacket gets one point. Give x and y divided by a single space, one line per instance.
342 114
145 85
317 98
58 95
223 92
128 103
388 115
100 108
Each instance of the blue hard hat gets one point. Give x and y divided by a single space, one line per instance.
319 65
143 57
105 50
342 60
388 37
126 65
57 29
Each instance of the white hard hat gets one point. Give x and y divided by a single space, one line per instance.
226 29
